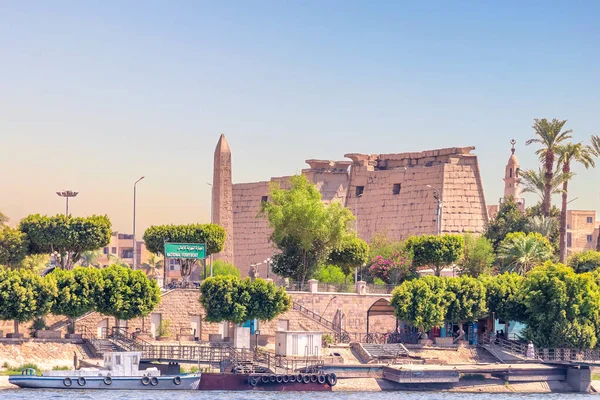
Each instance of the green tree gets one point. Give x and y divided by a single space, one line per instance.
77 291
351 253
213 235
520 252
90 258
228 298
546 226
550 135
36 263
24 296
126 294
66 237
535 182
422 302
266 301
222 268
154 266
304 229
465 300
478 256
584 261
13 246
435 251
503 296
508 219
561 307
330 274
570 153
3 219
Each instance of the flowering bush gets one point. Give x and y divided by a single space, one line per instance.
393 269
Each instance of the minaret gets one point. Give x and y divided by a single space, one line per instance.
222 197
512 181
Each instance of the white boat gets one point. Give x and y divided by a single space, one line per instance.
120 371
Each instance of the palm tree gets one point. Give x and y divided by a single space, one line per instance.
542 225
568 154
90 258
520 252
153 266
550 135
118 261
535 182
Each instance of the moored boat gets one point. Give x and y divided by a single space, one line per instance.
121 371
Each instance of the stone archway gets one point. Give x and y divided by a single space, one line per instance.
380 307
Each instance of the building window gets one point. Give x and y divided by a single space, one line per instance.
396 189
359 190
510 172
590 220
568 239
264 199
127 253
105 250
113 250
589 238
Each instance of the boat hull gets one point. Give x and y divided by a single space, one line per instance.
224 381
188 382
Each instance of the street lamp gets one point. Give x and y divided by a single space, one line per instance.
356 229
211 221
437 194
268 263
66 194
134 243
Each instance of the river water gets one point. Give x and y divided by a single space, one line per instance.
24 394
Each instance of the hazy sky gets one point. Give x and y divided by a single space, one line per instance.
94 94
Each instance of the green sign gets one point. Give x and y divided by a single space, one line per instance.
185 250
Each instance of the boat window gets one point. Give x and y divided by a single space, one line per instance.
118 360
135 360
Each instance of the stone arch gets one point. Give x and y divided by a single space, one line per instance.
379 307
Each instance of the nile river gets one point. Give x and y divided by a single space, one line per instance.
24 394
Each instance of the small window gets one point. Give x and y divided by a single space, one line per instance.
510 172
264 199
113 250
396 189
359 190
105 251
118 360
589 238
135 360
590 220
568 239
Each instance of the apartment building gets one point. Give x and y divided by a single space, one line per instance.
582 230
121 246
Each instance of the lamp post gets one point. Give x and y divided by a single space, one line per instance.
134 243
210 256
66 194
437 194
268 263
356 229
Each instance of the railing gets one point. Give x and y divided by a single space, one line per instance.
380 289
342 335
336 287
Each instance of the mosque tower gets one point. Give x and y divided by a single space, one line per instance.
512 181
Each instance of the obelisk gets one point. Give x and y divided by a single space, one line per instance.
222 197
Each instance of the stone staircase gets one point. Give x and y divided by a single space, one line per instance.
385 351
341 334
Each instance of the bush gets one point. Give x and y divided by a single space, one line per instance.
584 261
330 274
223 268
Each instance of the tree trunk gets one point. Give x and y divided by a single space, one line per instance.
16 326
303 268
563 217
547 203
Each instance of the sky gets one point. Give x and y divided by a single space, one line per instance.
95 94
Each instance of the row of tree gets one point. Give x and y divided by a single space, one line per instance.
115 291
559 307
